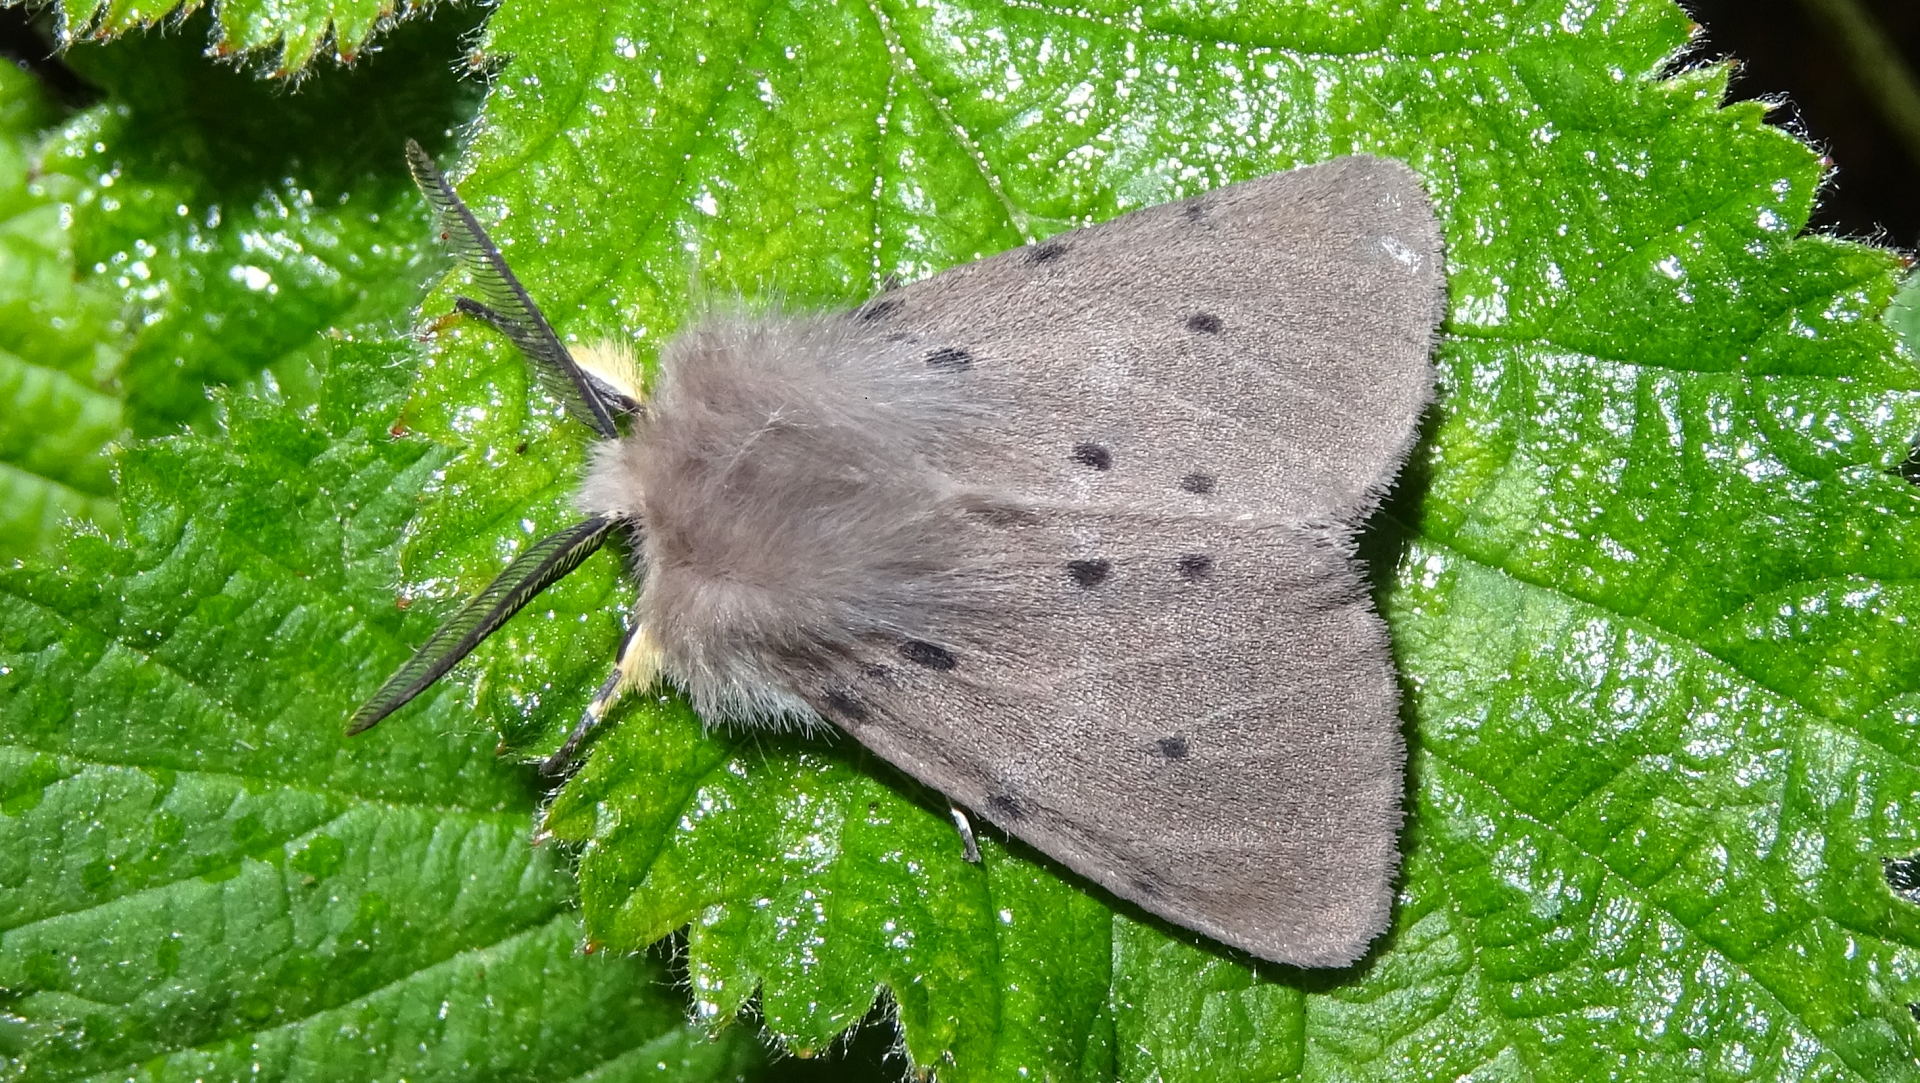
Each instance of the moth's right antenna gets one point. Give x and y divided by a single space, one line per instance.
537 567
507 306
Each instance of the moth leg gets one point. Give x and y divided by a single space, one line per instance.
970 847
636 666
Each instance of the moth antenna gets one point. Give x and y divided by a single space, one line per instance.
636 666
508 306
609 393
537 567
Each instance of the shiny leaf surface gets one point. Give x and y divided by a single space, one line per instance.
201 877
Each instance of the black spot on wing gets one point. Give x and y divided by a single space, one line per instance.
1088 574
950 359
1173 748
1004 806
1197 483
842 703
1204 322
875 672
1195 567
1046 252
1195 211
1903 876
922 653
879 309
1093 455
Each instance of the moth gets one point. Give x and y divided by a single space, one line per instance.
1065 534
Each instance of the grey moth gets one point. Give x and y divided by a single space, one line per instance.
1065 534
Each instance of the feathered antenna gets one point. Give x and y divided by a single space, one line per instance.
508 307
540 566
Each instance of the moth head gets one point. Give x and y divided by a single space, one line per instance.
614 367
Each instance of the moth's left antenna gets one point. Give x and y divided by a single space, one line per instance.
538 567
507 306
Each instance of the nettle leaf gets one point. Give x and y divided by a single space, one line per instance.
236 220
201 877
1648 579
60 353
280 39
1651 597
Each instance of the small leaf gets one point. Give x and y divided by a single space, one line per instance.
283 39
60 353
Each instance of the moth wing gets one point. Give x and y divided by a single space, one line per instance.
1209 731
1181 690
1260 351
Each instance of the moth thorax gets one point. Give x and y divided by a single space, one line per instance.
614 485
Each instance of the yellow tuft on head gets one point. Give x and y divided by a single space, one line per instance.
613 364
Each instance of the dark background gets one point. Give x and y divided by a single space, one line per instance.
1787 49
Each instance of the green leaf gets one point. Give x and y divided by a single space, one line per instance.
60 355
235 221
1650 596
281 39
1649 576
201 876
